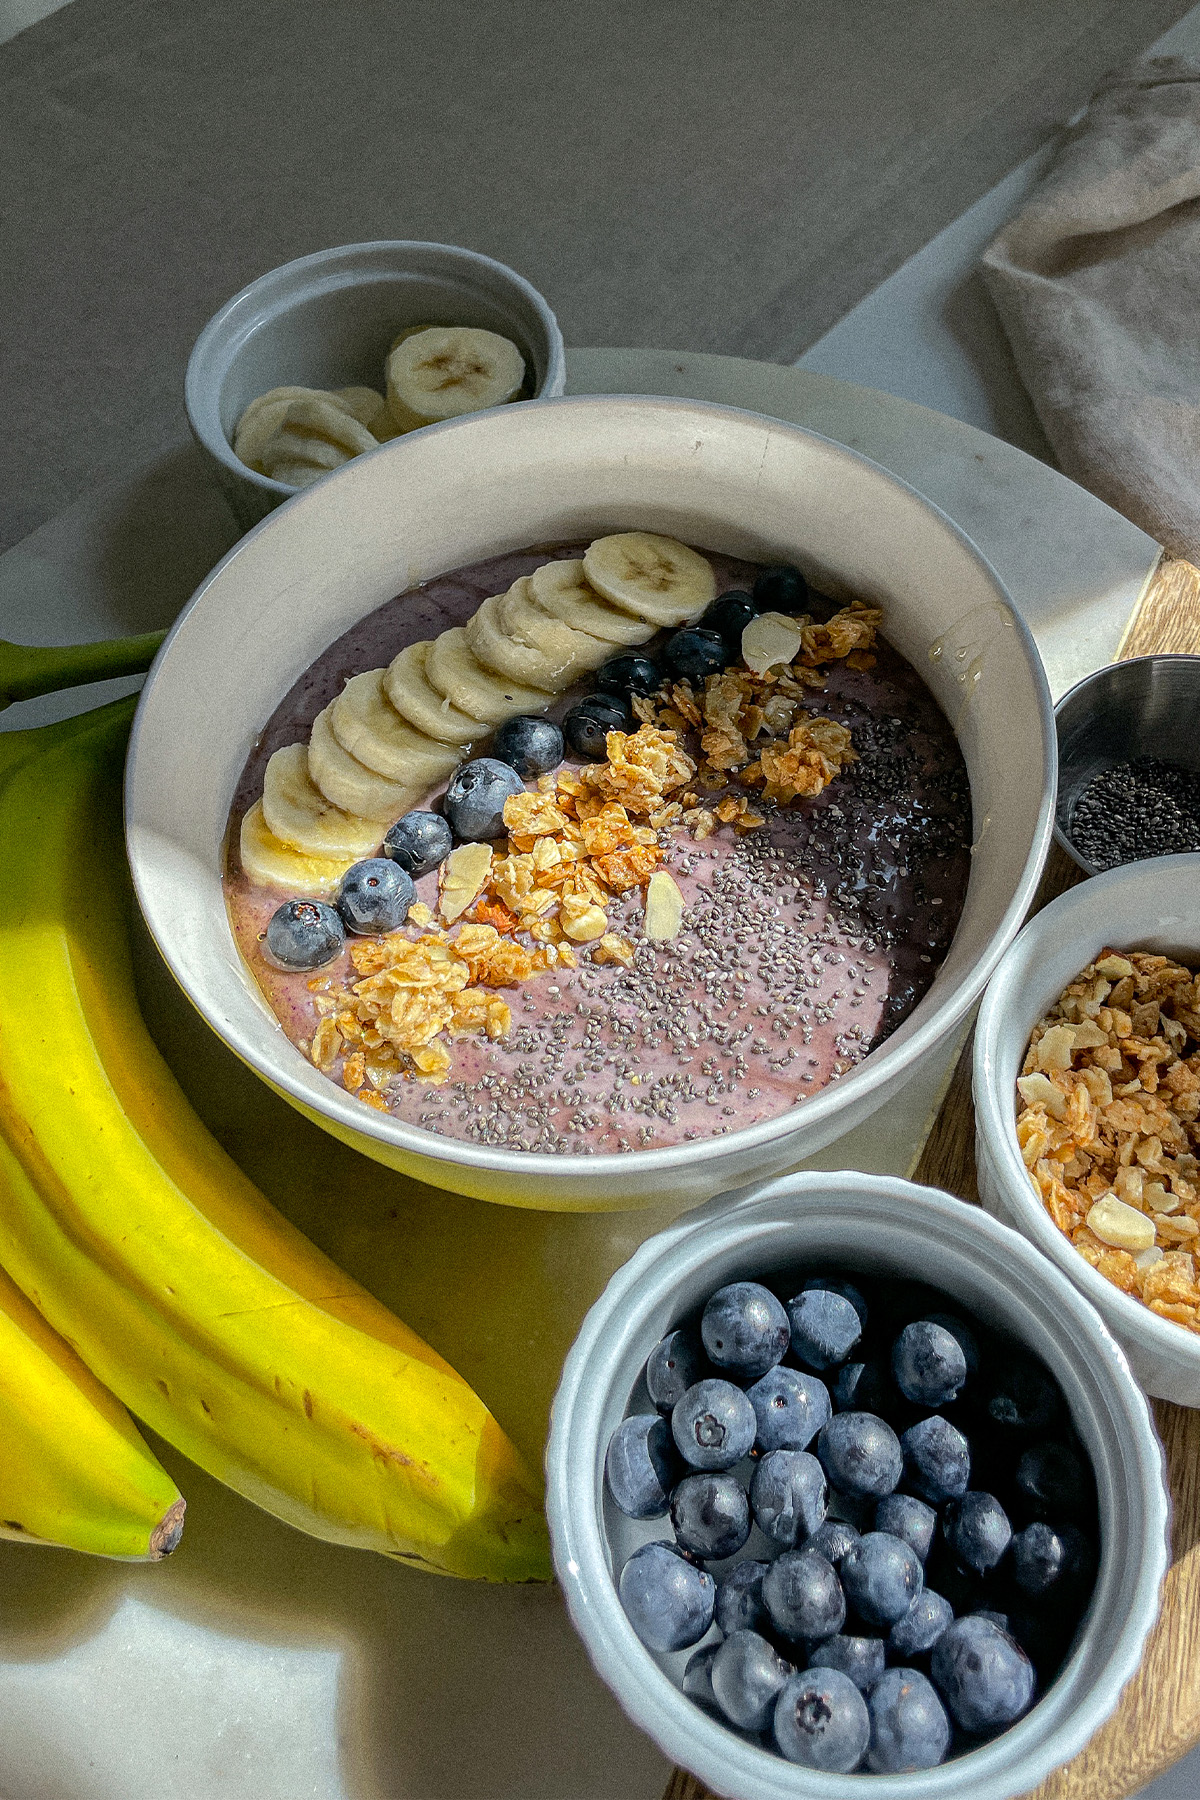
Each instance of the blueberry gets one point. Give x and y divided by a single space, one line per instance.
937 1459
790 1408
729 617
690 655
906 1517
740 1605
1045 1560
419 842
641 1466
861 1658
375 895
985 1676
530 745
697 1677
998 1619
711 1514
822 1722
781 589
625 675
834 1284
825 1327
881 1575
674 1364
475 798
586 726
966 1339
304 934
747 1673
921 1626
833 1539
1021 1397
860 1454
804 1596
714 1425
745 1330
864 1387
788 1495
667 1600
928 1364
977 1530
1053 1480
909 1727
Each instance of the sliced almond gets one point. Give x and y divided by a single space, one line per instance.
1124 1227
464 873
769 639
664 908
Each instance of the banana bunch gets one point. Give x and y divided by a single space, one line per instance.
73 1471
394 733
164 1268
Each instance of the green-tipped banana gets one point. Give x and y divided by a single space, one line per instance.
145 1246
27 670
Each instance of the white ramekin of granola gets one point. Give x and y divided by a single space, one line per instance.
1087 1105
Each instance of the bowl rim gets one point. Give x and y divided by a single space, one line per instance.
598 1168
201 403
579 1546
997 1130
1086 681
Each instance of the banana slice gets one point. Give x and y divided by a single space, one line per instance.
366 724
317 431
362 403
352 786
560 589
571 652
269 413
654 578
505 655
297 811
269 862
451 668
448 370
407 687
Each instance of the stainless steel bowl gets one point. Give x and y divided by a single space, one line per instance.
1149 706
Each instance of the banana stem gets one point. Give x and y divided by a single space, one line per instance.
27 670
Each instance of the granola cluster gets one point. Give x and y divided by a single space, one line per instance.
411 995
1108 1125
738 707
582 838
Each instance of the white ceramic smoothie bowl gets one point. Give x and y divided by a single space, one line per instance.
883 1226
561 470
1153 906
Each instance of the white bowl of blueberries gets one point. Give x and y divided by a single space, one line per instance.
816 1517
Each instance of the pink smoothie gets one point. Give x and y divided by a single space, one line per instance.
804 943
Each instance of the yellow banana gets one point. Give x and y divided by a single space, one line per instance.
147 1248
73 1470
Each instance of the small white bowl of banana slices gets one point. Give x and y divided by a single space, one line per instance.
327 357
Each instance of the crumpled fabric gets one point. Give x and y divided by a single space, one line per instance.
1097 282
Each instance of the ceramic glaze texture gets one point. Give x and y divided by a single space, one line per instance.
558 471
1152 906
881 1226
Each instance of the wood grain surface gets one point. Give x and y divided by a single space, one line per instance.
1158 1718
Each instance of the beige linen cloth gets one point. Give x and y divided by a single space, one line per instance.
1097 281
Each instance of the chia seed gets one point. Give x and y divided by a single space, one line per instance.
1146 807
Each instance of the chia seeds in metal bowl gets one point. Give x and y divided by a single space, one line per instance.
1129 763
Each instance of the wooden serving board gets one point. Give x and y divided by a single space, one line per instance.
1158 1718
